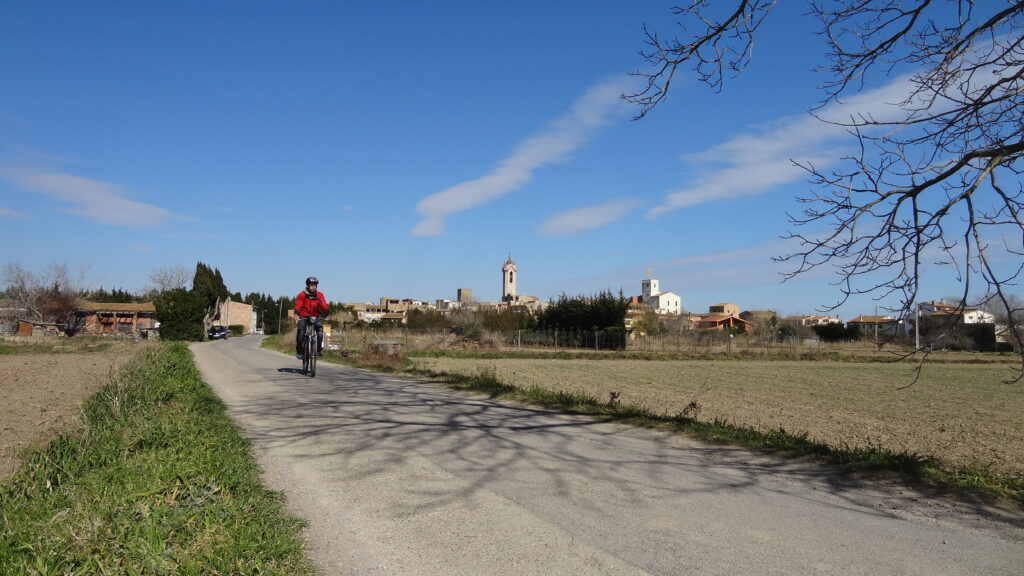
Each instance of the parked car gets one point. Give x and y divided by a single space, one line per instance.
218 333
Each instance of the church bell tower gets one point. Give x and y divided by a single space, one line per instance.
508 281
648 287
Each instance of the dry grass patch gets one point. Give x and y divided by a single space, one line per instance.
963 414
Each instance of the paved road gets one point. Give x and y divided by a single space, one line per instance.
402 477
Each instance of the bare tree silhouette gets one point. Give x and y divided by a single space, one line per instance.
939 182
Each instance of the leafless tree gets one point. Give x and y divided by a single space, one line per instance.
61 295
169 278
1009 312
1010 308
23 288
939 183
51 296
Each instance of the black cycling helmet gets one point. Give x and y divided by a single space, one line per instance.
312 280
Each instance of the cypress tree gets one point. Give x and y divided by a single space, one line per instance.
180 313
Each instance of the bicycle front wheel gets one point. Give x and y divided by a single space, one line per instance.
305 358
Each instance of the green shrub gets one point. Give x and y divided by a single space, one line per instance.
181 315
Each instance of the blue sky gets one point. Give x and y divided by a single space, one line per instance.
405 150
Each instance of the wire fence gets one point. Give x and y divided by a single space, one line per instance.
685 343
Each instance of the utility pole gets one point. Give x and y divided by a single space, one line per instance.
917 327
917 313
280 309
876 325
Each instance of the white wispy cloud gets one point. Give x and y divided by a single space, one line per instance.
586 218
9 213
94 200
598 106
759 162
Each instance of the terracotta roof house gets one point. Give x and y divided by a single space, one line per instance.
813 320
128 318
967 315
943 324
872 320
886 325
937 306
720 322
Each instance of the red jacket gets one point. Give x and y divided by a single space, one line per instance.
309 305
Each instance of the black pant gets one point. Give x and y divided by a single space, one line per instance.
300 336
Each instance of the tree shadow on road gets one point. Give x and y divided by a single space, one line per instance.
539 456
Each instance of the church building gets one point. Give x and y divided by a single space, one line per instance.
508 280
661 302
509 297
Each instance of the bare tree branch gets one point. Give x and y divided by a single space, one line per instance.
168 278
924 186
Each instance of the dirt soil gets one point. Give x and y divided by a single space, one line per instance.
963 414
41 395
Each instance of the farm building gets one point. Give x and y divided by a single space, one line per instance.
128 318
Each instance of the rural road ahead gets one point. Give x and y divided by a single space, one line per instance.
400 477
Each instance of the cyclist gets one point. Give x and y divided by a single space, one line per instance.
310 302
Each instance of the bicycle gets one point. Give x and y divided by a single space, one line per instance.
310 350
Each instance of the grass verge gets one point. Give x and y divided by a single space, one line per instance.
156 480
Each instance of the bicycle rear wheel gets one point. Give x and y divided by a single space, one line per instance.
309 364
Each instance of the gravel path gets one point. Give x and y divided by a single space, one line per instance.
397 476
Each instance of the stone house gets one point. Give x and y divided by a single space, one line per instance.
724 309
126 318
237 314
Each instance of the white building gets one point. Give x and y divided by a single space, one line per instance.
445 305
813 320
660 302
970 315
